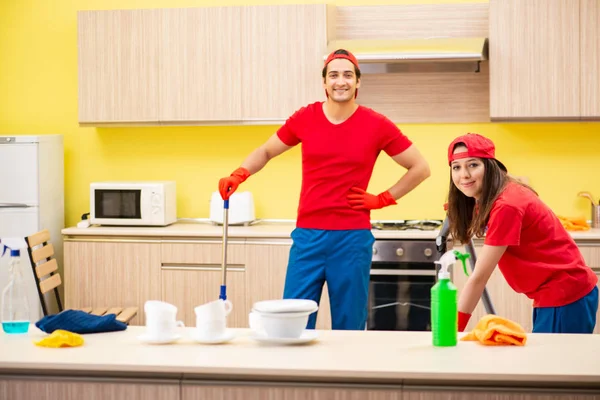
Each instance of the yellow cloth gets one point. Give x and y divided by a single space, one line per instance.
574 224
61 338
493 330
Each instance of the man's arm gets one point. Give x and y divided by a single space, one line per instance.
417 171
261 156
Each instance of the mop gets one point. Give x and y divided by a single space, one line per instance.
223 293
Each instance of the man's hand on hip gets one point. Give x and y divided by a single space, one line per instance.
361 200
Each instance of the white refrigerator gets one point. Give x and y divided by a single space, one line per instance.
32 199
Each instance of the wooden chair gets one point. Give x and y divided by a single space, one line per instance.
47 278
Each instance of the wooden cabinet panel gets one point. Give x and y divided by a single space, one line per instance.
591 255
191 275
118 66
208 392
106 274
200 65
265 276
189 286
494 394
282 58
534 59
590 58
40 389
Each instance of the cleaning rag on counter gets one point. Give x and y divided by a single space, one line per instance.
492 330
60 338
80 322
574 224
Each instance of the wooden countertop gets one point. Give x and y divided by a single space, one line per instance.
336 356
261 230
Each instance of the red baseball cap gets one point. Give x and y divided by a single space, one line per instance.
477 146
350 57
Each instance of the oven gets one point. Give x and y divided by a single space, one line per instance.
402 275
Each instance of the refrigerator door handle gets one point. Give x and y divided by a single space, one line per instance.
13 205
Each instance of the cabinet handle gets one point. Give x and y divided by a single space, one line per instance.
203 267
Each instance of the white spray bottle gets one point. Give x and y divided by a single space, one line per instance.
15 307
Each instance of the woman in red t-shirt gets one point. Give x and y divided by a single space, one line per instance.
534 252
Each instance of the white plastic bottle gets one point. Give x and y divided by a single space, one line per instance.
15 308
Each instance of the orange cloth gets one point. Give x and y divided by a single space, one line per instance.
493 330
574 224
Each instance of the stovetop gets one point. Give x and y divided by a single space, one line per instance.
405 225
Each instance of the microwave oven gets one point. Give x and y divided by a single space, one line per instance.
140 203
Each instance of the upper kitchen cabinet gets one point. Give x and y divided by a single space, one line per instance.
282 58
118 59
200 67
534 59
590 59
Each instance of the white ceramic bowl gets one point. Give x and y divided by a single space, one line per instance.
279 325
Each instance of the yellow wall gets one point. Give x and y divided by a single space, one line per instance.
38 95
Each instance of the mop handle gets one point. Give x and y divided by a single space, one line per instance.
223 294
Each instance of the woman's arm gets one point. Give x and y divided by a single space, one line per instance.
487 260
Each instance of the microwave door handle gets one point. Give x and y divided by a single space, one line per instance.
13 205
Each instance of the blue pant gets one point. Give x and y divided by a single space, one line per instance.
577 317
340 258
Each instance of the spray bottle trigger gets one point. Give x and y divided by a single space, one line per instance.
463 258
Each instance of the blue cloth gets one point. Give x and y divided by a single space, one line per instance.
78 321
340 258
577 317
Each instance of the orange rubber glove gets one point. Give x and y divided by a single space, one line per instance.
463 320
230 184
361 200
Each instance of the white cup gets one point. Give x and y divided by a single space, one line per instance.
279 325
161 320
211 319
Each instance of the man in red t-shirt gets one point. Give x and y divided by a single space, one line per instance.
341 141
534 252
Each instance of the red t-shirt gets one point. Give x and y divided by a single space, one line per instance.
541 260
336 158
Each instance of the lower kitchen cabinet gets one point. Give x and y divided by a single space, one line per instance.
409 393
64 389
209 392
111 273
191 276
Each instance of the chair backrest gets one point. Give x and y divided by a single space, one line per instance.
45 267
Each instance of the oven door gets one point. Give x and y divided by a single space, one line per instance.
400 297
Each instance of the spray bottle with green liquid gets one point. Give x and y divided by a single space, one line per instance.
444 302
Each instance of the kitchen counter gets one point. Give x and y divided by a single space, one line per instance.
260 230
336 357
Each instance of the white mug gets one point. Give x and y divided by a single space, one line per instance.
211 319
161 319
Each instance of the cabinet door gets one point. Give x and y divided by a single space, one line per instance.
111 274
590 59
265 276
507 303
200 64
534 59
118 66
254 392
282 58
191 275
47 389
